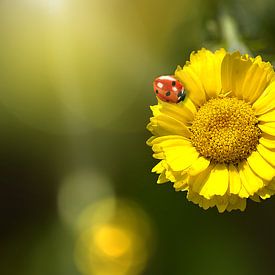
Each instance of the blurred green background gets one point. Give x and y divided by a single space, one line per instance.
76 192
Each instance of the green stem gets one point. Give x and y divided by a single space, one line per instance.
231 34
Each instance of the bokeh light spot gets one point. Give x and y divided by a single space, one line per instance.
79 190
117 242
113 241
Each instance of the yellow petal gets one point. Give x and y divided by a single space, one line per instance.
268 128
159 155
182 184
198 166
192 83
205 64
191 196
255 82
161 143
149 141
158 168
246 77
233 198
183 111
164 125
234 180
255 198
261 167
239 204
205 204
197 182
270 185
189 108
267 154
201 201
267 117
233 71
266 102
170 138
222 203
174 176
251 183
265 193
267 141
181 158
162 178
217 182
174 149
155 109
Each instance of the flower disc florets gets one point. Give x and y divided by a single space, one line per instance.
225 130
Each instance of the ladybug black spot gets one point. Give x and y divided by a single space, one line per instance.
168 93
157 91
173 83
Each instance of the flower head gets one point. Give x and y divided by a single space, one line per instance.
219 144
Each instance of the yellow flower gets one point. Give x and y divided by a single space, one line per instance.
219 144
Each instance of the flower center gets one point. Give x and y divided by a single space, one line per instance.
225 130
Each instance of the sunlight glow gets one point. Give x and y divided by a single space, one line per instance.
52 6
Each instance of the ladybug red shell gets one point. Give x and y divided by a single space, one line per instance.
169 89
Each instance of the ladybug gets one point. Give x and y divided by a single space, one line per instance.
169 89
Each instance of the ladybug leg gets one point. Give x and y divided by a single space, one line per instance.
182 95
